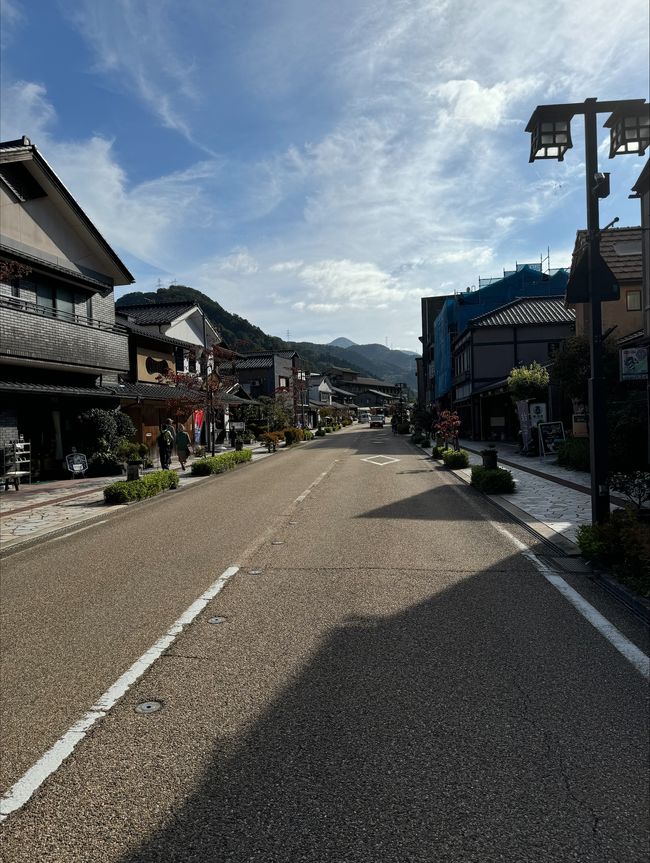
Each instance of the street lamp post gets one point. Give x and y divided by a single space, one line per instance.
550 130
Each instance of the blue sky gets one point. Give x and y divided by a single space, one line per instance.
317 167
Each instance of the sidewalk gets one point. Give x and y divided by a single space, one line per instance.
40 509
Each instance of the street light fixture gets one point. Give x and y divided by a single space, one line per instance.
550 130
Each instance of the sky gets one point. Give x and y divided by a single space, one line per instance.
318 166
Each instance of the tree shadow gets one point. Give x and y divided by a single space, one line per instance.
440 733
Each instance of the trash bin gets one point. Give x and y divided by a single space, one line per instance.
133 470
489 457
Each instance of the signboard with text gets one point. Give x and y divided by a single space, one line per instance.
634 363
551 435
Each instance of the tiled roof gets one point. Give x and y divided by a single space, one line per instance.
527 311
263 362
164 392
621 250
140 331
155 313
55 389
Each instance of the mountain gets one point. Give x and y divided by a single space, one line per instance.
372 361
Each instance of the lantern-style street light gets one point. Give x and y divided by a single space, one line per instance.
550 131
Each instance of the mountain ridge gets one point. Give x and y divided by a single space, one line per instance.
373 360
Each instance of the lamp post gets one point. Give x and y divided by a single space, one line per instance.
550 131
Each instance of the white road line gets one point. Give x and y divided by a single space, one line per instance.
23 789
615 637
307 491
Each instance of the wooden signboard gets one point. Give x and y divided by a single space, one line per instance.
551 435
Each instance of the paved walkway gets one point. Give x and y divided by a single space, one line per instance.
40 509
551 500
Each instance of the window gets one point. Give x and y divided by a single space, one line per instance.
283 382
633 301
553 348
55 301
192 362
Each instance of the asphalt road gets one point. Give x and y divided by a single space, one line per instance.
393 680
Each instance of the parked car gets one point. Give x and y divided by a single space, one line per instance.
377 421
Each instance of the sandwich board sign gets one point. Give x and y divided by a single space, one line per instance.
551 435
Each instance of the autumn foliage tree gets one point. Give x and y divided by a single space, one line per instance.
448 426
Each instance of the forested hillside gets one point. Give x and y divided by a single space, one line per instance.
373 360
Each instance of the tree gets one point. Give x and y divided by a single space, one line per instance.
528 382
571 368
10 270
448 426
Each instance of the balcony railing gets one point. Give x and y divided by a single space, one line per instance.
20 305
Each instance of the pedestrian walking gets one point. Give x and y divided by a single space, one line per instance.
165 443
183 446
393 424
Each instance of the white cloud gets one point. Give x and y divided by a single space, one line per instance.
240 261
357 285
486 107
285 266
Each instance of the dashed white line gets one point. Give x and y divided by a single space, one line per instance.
23 789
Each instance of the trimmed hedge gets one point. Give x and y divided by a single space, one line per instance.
455 459
320 432
492 480
150 485
623 544
309 435
220 463
574 453
293 435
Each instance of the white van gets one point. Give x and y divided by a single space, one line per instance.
364 416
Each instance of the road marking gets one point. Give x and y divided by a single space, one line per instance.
309 490
380 460
22 790
71 532
615 637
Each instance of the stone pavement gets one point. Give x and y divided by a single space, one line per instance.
41 509
545 503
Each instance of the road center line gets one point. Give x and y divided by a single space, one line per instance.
615 637
309 490
22 790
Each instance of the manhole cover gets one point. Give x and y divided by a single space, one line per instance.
216 620
148 707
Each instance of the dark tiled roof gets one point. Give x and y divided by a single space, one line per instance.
621 250
164 392
527 311
342 392
56 389
140 331
155 313
263 362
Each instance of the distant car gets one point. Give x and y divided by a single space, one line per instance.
377 421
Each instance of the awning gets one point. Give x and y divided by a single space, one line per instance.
56 390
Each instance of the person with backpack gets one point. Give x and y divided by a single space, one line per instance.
183 443
165 443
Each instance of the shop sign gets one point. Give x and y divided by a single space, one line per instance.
634 364
537 413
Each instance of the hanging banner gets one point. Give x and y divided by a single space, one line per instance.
524 423
198 424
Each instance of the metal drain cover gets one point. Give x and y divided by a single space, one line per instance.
254 571
216 620
278 542
148 707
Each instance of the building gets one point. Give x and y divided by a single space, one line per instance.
61 350
518 333
621 249
642 345
430 308
363 390
527 280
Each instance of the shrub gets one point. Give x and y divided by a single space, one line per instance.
635 486
622 543
320 432
270 440
403 428
437 451
528 382
150 485
220 463
293 435
455 459
328 429
492 480
574 453
309 435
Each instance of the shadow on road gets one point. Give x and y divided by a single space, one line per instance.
465 728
